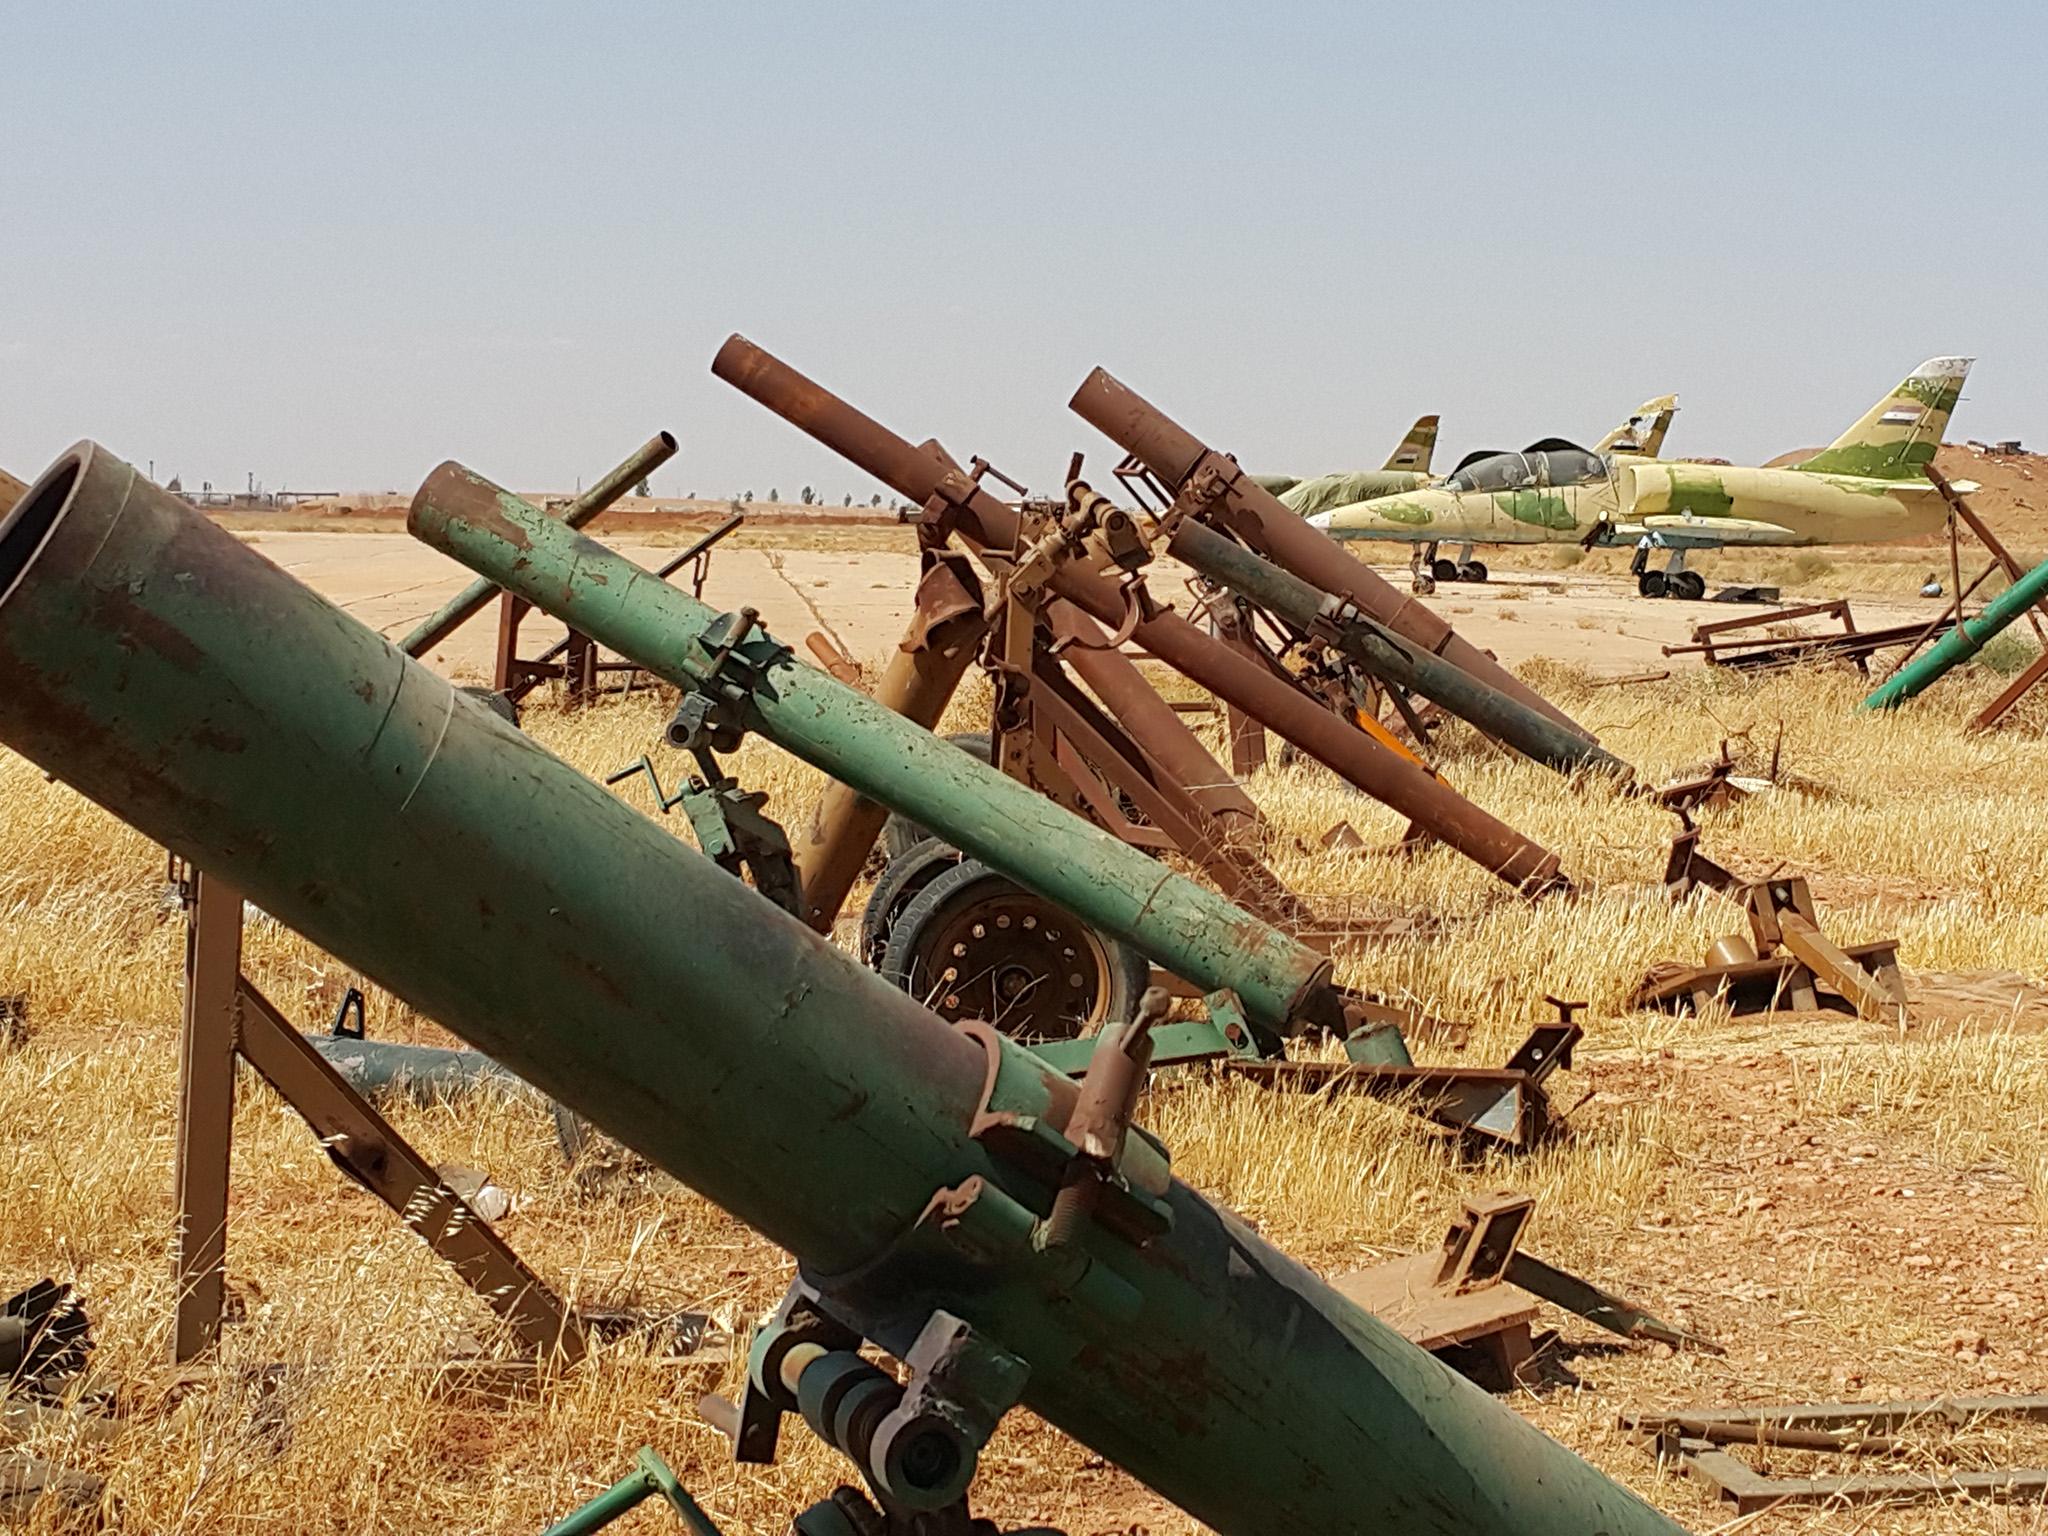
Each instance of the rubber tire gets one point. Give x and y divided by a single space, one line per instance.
1130 973
1443 570
1472 570
1688 586
1650 584
902 878
899 833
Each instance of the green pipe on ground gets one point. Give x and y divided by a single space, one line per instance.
178 678
1960 643
427 1074
1388 656
1102 880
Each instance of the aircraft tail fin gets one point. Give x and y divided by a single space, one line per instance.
1416 448
1899 434
1643 432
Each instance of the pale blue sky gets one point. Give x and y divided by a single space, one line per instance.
336 244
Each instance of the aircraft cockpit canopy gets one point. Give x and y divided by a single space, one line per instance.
1553 461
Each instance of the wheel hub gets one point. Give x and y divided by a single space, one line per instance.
1010 958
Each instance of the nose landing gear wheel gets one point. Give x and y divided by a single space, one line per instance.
1690 586
974 944
1650 584
1444 570
1472 570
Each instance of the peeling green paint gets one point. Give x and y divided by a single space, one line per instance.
1900 460
1415 514
1541 509
1695 495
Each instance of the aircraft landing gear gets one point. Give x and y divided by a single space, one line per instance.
1422 563
1673 581
1472 570
1444 570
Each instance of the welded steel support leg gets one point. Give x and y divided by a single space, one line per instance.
366 1146
1246 735
504 668
1160 733
923 674
579 671
206 1113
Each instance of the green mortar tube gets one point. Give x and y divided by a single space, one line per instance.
596 591
179 679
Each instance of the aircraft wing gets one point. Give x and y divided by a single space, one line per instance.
1679 532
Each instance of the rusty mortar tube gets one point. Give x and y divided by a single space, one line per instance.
178 678
983 520
466 604
1189 930
1258 517
923 674
1152 723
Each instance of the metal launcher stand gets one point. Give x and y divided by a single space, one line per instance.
227 1019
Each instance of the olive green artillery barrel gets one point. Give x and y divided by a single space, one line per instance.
464 605
178 678
1388 656
1258 517
1192 932
1960 643
988 524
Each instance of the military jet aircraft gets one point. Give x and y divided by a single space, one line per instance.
1407 468
1864 488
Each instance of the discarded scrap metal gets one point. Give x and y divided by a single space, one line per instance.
1746 644
1701 1443
1784 961
737 678
1469 1301
914 1170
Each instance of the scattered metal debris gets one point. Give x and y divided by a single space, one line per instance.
1784 961
1700 1442
1470 1300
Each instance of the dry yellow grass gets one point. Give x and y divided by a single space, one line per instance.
1906 826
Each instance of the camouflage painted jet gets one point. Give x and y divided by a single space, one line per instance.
1864 488
1406 469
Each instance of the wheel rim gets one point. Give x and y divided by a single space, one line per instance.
1007 956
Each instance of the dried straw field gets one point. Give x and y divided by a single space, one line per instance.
1853 1212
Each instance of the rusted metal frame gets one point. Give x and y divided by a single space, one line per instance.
1180 460
2013 569
947 625
1499 1105
226 1018
366 1147
1870 995
1692 1440
2013 692
1112 675
987 523
206 1114
1246 736
1168 805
